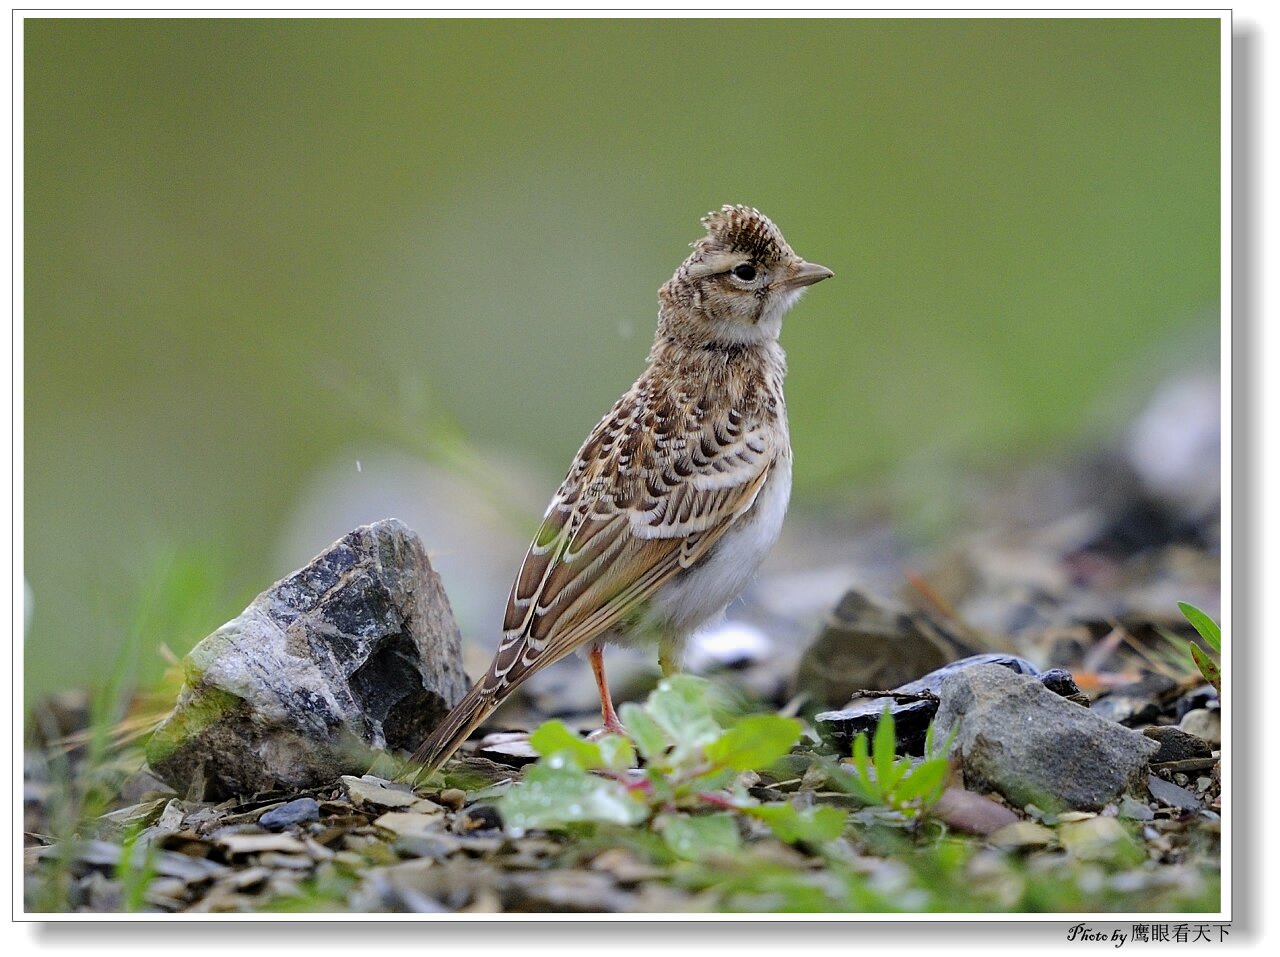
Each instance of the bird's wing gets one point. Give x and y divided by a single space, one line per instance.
656 484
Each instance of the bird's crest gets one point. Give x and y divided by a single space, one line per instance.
745 230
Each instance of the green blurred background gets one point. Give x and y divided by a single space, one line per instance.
255 249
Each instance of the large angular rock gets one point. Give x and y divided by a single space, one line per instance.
357 651
868 644
911 719
1015 736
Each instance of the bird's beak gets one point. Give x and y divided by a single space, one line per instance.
805 274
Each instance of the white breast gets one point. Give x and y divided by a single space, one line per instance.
702 592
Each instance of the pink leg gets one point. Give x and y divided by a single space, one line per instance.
611 722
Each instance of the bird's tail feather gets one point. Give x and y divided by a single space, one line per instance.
439 747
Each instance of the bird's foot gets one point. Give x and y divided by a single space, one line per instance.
610 727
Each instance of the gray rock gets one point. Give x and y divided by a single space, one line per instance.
911 719
294 812
1016 737
1169 793
356 651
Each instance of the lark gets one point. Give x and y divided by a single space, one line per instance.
677 494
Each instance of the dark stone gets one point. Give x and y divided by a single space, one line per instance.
287 815
1139 703
1143 525
1177 745
356 653
1016 737
1203 697
1061 683
910 718
866 644
479 817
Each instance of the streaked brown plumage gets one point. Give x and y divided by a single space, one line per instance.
677 494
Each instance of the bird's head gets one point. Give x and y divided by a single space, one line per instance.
738 282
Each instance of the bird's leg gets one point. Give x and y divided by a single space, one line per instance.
668 658
611 722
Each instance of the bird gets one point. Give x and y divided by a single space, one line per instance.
677 494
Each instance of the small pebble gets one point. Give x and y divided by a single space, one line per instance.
1204 724
1201 697
481 817
1135 810
286 815
452 798
1022 834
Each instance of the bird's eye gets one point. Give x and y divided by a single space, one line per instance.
746 272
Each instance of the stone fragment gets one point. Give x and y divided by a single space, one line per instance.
356 651
164 863
291 813
1138 703
1099 838
1168 793
1023 834
1176 745
134 816
973 813
1015 736
365 792
172 818
410 823
866 644
1134 810
508 747
261 843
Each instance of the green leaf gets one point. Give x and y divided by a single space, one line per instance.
884 751
644 731
554 737
816 825
696 838
1203 624
679 706
866 783
556 792
1208 667
713 780
661 787
755 742
924 783
618 752
897 771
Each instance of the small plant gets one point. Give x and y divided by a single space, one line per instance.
1208 629
689 791
882 778
136 870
